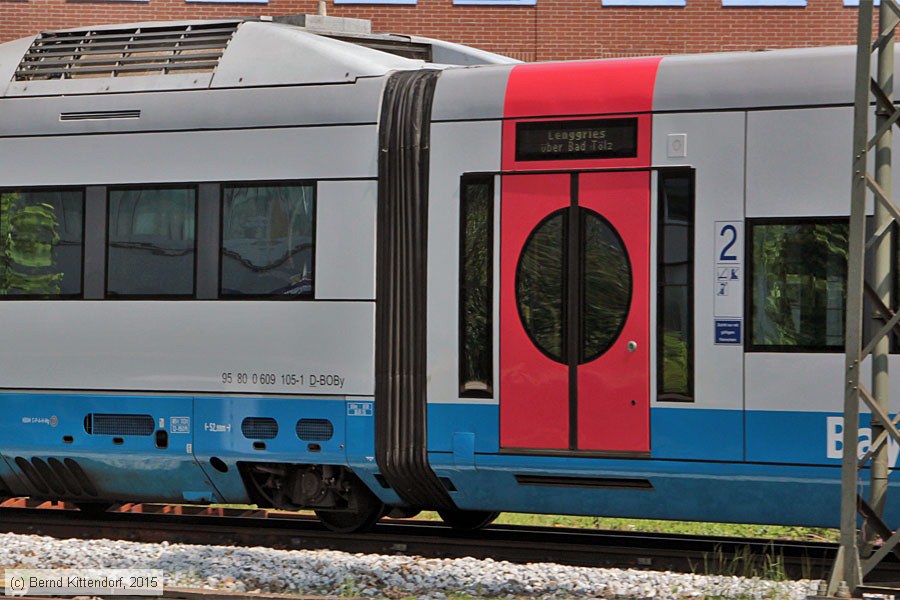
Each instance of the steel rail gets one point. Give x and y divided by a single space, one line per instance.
580 547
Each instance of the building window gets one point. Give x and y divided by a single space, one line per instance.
476 288
495 2
226 1
675 359
798 280
374 1
765 3
41 243
152 242
643 2
268 241
856 2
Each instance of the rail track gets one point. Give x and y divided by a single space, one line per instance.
590 548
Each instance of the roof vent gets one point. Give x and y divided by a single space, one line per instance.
159 50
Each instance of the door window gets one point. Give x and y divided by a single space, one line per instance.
540 285
607 285
602 288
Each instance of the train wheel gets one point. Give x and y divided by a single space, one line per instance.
346 521
468 520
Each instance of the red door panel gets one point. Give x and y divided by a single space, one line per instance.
613 390
574 312
534 410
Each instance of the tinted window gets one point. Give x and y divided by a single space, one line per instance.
540 285
476 364
602 292
607 285
675 281
151 242
268 241
41 243
798 285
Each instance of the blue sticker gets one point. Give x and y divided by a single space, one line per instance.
728 331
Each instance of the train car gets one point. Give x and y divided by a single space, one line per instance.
245 261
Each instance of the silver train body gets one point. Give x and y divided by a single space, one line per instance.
161 366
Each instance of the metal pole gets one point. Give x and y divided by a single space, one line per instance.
881 264
847 566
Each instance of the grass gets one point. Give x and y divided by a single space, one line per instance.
773 532
814 534
769 565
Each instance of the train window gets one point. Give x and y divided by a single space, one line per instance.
541 285
607 285
675 309
601 295
41 243
152 242
268 239
798 275
476 288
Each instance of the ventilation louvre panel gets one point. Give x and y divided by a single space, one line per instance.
259 428
315 430
118 424
126 52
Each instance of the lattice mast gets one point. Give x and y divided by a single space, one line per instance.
855 557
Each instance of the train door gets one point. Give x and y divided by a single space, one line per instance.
574 312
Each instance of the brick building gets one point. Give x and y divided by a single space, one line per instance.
524 29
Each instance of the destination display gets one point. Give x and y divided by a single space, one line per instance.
568 140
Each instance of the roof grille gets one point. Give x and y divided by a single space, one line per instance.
126 52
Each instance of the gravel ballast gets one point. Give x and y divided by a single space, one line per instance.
335 573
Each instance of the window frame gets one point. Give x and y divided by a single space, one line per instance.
643 3
221 226
764 3
662 395
46 189
109 189
213 1
494 2
750 224
465 181
400 2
